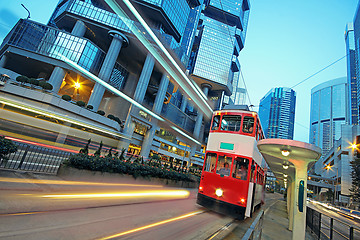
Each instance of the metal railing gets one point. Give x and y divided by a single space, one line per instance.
35 159
255 230
326 227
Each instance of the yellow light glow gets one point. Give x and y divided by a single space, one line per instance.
162 193
154 225
77 85
328 167
285 166
219 192
353 146
57 182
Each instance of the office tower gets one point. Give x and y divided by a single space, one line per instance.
91 54
220 37
351 74
329 110
356 23
277 113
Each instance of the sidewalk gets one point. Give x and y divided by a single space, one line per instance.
276 222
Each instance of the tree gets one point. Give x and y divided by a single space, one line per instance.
6 147
355 175
98 152
85 150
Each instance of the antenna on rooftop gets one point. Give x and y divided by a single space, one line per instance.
26 10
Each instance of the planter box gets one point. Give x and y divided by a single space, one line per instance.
73 174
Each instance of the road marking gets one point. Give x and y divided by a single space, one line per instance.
153 225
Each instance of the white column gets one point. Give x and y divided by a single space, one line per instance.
291 194
183 103
199 119
56 78
158 104
79 29
139 97
107 67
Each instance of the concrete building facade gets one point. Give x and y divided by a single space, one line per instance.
86 44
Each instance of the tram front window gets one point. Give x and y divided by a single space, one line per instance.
231 123
223 165
210 162
240 169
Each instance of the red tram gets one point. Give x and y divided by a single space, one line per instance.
232 180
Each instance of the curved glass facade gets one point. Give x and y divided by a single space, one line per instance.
328 112
57 44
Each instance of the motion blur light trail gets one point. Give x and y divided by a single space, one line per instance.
153 225
162 193
59 182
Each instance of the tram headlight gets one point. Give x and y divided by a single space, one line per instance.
219 192
242 200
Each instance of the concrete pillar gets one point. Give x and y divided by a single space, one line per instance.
183 103
79 29
147 142
3 61
56 78
139 97
107 67
199 119
144 78
158 104
160 96
291 193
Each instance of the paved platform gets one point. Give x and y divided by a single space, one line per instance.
276 222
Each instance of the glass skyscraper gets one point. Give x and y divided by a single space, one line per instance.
220 36
356 23
351 74
329 110
277 113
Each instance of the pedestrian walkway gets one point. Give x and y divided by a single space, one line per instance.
276 222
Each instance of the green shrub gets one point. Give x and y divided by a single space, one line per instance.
22 79
117 165
80 103
6 147
101 112
47 86
112 117
90 107
66 97
34 82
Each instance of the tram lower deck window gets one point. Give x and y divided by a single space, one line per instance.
240 169
210 162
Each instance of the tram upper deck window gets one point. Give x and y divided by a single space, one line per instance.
248 125
216 121
210 162
240 169
231 123
223 166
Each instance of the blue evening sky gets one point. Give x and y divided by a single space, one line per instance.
286 42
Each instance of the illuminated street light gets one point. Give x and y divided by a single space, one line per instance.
77 85
285 152
285 166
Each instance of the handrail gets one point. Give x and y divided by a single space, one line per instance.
254 226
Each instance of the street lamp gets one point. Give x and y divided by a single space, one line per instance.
328 167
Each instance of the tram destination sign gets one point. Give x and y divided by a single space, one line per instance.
226 146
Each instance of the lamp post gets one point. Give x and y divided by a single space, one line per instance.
328 167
